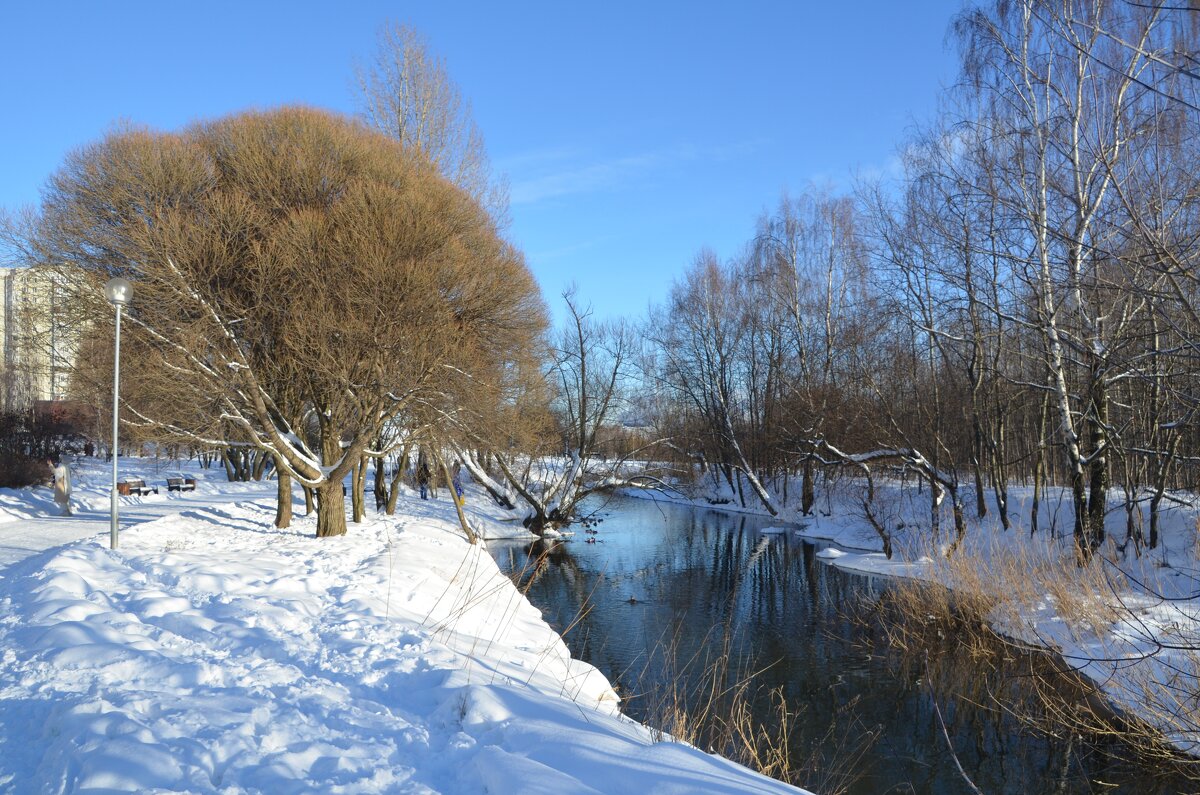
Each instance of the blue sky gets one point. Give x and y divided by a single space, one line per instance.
632 134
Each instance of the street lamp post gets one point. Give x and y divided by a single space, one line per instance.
119 293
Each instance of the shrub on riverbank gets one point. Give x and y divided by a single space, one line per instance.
1095 659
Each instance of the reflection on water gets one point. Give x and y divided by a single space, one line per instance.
663 584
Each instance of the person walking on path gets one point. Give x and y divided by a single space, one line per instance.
456 481
62 486
423 479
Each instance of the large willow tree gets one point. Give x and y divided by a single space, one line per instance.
301 277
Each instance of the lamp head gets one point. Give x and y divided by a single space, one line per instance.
118 291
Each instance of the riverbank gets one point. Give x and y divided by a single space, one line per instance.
1129 623
214 653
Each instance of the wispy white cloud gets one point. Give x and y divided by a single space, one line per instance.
536 158
584 178
549 255
550 173
892 169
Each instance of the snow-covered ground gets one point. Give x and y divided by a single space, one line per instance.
214 653
1139 637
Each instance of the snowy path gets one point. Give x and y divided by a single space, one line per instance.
32 533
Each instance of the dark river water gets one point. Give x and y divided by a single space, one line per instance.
667 592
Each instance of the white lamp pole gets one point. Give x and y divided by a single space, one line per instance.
119 292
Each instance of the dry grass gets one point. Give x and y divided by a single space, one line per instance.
986 604
716 704
1004 586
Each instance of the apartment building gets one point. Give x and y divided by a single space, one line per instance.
38 345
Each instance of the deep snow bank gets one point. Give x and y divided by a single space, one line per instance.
213 653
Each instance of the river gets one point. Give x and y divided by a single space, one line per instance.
666 590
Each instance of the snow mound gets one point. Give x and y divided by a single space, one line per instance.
213 653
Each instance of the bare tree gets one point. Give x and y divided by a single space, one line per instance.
292 248
588 377
700 340
1067 128
407 93
807 273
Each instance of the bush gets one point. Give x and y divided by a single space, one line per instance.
41 431
18 471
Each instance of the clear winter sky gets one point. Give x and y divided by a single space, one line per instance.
632 133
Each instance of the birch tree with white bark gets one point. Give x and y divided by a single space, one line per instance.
1067 125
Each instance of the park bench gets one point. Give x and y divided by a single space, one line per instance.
135 486
180 482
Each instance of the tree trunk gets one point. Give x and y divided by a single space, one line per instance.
808 492
243 466
260 465
537 520
357 481
380 490
462 518
960 523
480 476
1154 502
1039 465
394 490
283 495
1080 504
977 448
1161 474
331 510
1098 485
935 508
881 529
998 451
433 473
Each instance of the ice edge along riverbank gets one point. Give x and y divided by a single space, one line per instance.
213 653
